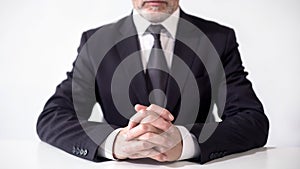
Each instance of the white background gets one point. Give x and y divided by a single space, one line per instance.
39 38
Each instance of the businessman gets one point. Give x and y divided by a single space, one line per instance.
159 75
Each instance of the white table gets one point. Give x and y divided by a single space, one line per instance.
17 154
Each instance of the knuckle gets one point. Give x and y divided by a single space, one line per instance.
161 149
153 117
144 127
148 112
165 125
143 111
145 145
151 106
149 135
160 158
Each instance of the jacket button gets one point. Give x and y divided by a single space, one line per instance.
85 152
212 156
81 152
77 151
220 154
73 150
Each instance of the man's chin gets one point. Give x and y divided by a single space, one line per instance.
154 16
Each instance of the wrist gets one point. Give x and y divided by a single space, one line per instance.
116 147
179 146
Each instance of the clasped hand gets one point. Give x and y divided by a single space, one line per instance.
149 134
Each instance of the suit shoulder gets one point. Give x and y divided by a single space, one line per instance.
208 26
110 27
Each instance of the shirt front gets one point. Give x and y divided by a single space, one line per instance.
147 40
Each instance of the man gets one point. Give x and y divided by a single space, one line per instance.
172 65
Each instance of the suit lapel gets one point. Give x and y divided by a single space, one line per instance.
184 34
128 46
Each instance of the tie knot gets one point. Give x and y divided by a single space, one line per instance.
155 29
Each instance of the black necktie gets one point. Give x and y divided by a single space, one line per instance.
157 69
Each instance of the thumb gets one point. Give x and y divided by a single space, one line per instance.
137 107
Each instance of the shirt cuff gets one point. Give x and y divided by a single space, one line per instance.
106 148
190 146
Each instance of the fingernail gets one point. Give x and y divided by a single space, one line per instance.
171 117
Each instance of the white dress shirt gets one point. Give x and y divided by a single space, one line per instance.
190 145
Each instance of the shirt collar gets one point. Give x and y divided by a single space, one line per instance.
170 23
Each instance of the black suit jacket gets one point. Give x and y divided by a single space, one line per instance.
64 120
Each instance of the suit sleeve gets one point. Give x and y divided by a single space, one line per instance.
244 125
64 123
